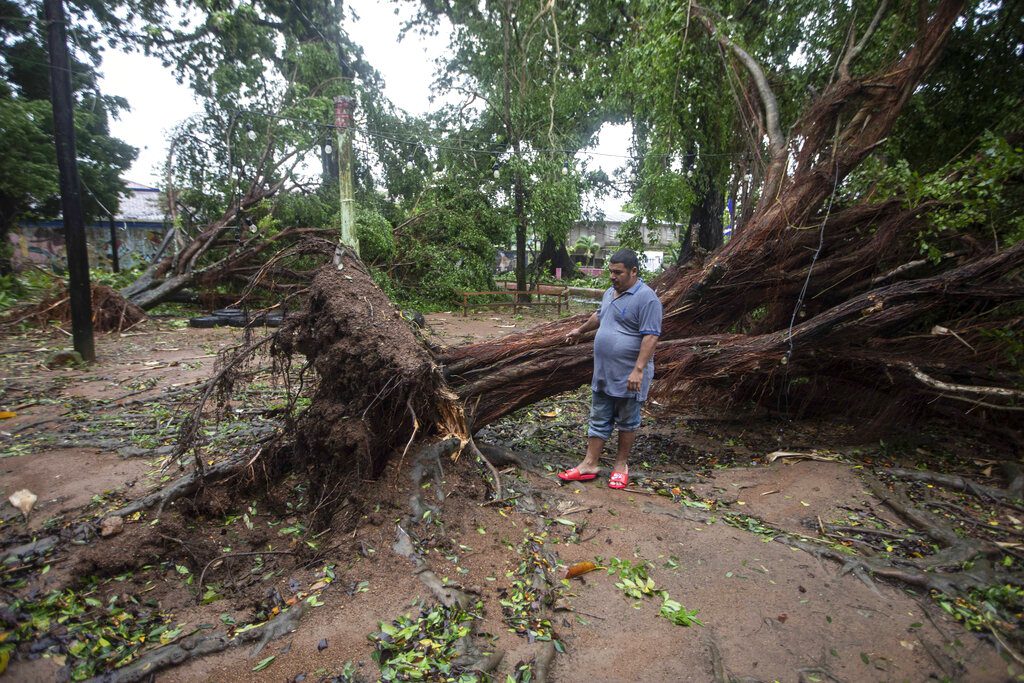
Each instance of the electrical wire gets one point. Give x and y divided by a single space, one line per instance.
426 142
810 269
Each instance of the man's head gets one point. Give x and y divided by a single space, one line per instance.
624 269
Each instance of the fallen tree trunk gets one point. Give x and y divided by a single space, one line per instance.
808 290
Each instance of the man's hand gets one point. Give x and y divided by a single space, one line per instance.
575 333
635 379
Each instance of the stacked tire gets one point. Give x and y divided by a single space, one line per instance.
236 317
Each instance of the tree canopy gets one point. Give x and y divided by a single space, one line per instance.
28 176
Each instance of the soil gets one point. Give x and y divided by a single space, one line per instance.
769 611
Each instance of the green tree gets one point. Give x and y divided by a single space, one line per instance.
267 74
588 245
28 177
539 93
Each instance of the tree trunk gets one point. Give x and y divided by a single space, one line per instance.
554 255
519 207
707 216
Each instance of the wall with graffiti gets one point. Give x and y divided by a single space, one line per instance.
139 228
42 244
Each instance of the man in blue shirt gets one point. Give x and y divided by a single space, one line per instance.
628 325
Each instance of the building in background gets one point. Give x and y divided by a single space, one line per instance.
657 240
138 229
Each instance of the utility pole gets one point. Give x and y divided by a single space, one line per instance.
115 264
70 192
343 125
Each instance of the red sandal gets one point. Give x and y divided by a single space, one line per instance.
618 480
573 474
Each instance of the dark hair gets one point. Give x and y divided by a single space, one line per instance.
626 257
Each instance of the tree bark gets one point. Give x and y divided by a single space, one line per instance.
706 214
553 254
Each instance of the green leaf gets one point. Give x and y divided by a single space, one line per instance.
264 663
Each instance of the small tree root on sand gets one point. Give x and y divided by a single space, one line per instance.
197 645
468 656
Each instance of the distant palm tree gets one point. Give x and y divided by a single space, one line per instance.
588 245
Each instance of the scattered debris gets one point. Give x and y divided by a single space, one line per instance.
580 568
111 526
23 500
794 455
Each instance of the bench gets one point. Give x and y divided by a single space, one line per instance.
559 294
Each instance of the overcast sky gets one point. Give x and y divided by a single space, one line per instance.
158 102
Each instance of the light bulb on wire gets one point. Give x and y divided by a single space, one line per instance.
328 149
497 171
251 134
565 168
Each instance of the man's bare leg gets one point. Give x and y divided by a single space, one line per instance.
591 462
626 440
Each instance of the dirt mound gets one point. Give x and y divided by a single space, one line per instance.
111 312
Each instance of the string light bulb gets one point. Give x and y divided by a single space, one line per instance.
328 149
250 133
497 170
565 168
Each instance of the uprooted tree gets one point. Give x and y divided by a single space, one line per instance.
820 303
825 305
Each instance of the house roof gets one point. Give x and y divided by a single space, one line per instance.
140 203
618 216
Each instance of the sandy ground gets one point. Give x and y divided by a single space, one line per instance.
769 611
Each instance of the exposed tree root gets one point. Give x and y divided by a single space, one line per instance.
542 662
495 476
918 519
931 573
468 657
955 482
943 572
197 645
185 485
499 456
719 672
36 548
1015 478
816 674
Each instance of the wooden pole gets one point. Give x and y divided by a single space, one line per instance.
70 192
343 125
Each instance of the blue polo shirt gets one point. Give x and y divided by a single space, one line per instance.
625 321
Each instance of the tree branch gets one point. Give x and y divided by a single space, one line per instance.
963 388
855 50
770 104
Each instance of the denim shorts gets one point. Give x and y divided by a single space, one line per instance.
608 412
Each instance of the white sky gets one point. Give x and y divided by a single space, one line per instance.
158 102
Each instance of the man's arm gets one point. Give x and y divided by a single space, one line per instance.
636 376
593 322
